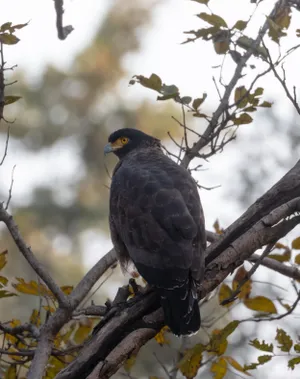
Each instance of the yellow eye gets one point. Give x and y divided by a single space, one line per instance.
124 140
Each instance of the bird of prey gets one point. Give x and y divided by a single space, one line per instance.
156 221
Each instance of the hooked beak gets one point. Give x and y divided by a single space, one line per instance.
108 149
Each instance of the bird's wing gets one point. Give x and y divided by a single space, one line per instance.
153 221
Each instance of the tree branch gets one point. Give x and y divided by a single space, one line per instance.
62 31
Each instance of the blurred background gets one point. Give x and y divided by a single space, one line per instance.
76 92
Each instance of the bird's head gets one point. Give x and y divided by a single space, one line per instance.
125 140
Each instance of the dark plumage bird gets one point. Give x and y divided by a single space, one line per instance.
156 221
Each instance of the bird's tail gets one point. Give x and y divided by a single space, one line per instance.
181 308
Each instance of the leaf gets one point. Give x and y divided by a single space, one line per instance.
225 293
293 362
82 332
217 227
4 293
49 309
296 244
8 39
246 42
32 288
130 363
186 99
218 340
285 257
3 259
285 341
236 365
221 47
265 104
67 289
244 118
262 345
190 363
212 19
260 303
219 368
5 26
297 347
11 372
168 92
258 91
275 31
201 1
245 290
35 318
197 102
240 25
3 281
154 82
11 99
20 26
240 97
161 336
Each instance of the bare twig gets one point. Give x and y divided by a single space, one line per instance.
10 188
62 31
6 142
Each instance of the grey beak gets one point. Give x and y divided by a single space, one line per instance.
108 149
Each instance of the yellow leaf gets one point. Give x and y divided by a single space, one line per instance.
236 365
82 333
11 372
219 368
161 336
245 290
67 289
260 303
130 363
218 341
217 227
32 288
3 281
3 259
48 308
35 318
191 362
296 243
225 293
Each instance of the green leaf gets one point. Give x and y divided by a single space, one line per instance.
296 244
297 347
246 42
261 345
240 25
3 259
265 104
285 341
8 39
168 92
240 97
218 341
201 1
186 99
5 26
154 82
244 118
11 99
258 91
212 19
3 281
261 304
293 362
264 359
